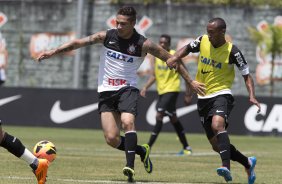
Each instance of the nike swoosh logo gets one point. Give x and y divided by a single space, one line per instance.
219 111
4 101
222 151
110 42
205 72
60 116
151 113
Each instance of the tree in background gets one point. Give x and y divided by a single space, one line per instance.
269 39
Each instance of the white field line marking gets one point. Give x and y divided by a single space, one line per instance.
173 154
165 154
194 154
86 181
157 154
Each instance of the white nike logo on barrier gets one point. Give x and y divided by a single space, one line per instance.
4 101
60 116
151 113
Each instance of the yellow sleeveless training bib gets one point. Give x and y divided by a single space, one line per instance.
214 69
167 80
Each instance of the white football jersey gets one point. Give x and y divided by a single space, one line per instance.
119 61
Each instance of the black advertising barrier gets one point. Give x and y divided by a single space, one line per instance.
79 109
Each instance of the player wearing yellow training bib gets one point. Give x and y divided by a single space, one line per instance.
216 70
167 80
168 87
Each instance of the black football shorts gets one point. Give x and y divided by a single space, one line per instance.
123 100
220 105
167 103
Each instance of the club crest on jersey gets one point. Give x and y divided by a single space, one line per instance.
131 49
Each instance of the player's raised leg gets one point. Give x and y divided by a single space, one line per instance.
15 147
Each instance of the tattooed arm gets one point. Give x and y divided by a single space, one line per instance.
74 44
155 50
159 52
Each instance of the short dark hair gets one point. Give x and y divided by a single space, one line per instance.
220 22
166 36
128 11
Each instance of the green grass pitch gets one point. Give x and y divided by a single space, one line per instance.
84 157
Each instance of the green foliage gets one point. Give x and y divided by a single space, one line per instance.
270 42
270 39
276 39
261 38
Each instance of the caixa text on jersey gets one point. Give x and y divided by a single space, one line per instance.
119 56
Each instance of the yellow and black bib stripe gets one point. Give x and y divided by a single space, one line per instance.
214 68
167 80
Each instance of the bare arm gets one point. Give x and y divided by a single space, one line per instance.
188 92
155 50
150 81
159 52
74 44
251 89
178 55
192 85
176 59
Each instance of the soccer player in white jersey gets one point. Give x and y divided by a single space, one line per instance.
123 51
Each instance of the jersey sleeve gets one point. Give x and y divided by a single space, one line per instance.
236 57
194 46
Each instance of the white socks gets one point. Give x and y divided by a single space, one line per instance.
28 156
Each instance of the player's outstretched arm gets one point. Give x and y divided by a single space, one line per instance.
194 85
155 50
251 89
72 45
173 61
161 53
150 81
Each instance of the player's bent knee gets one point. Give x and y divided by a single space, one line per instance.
112 141
128 126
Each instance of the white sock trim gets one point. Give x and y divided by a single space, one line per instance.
28 156
222 132
132 131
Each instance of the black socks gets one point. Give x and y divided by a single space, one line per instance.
239 157
224 148
130 145
13 145
155 133
181 134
